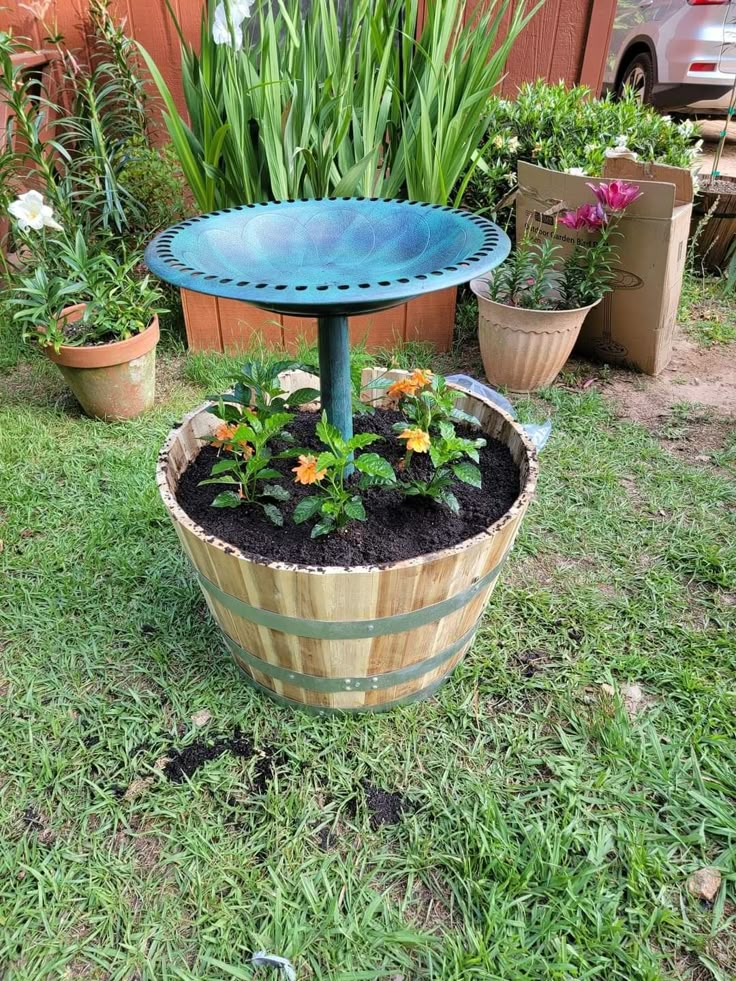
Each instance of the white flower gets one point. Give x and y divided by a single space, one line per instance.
239 10
513 143
686 127
498 141
620 142
510 177
667 119
31 212
696 149
576 171
590 147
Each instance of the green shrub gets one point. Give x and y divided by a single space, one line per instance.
564 128
154 182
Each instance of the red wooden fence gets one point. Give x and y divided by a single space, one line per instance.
567 39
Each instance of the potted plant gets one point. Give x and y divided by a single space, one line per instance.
531 309
713 226
92 313
347 574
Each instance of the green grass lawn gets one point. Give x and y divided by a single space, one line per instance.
520 825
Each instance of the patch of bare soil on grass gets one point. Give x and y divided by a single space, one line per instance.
423 908
690 407
706 376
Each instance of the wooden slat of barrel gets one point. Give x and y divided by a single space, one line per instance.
361 636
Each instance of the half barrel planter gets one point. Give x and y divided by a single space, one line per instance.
356 639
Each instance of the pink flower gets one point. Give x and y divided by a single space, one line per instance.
591 217
616 195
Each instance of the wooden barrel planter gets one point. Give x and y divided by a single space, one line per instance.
718 203
357 639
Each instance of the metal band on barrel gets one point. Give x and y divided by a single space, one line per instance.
348 629
416 696
313 682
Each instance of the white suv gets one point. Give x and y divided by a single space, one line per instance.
676 54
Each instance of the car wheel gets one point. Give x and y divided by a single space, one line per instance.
638 75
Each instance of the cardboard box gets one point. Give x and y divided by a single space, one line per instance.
635 323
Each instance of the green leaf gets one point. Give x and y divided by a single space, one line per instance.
323 528
292 453
464 417
276 422
375 466
360 440
306 509
354 509
223 466
303 395
276 491
329 434
326 460
449 499
226 412
243 434
468 473
228 499
270 474
218 480
273 514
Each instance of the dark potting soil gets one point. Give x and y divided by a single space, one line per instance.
396 528
383 806
183 763
717 186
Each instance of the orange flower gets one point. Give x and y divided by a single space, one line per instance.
421 377
404 386
307 472
416 440
418 379
223 440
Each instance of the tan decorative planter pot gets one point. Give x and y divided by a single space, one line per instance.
110 381
523 350
364 638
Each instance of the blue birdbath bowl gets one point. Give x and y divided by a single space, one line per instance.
330 258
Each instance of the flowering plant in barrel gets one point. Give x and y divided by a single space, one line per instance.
257 412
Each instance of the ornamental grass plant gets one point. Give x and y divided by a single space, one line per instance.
284 104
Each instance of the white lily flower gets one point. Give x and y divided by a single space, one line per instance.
239 11
687 126
620 142
576 171
30 212
513 143
510 177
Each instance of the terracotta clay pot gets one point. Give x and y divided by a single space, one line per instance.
110 381
523 350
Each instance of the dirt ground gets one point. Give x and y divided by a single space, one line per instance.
690 406
702 376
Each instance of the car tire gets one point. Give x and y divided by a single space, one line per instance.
638 74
